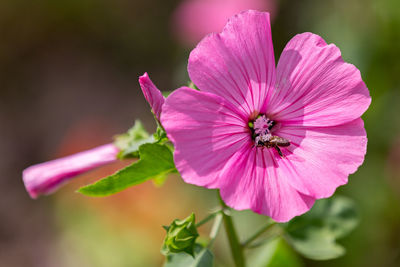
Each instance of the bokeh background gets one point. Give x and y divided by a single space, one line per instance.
68 82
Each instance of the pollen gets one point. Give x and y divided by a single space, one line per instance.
262 124
261 129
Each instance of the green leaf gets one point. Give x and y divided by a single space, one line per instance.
318 245
314 234
160 179
181 236
274 254
129 142
155 160
203 257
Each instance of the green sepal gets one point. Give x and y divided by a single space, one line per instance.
129 142
160 136
314 234
181 236
155 160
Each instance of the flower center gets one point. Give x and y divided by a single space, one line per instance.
262 129
262 134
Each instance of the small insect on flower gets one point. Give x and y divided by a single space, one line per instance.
275 142
262 129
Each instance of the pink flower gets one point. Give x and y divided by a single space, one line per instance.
194 19
47 177
153 96
272 139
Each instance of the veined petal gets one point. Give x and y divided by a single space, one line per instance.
47 177
320 159
206 131
315 87
252 181
237 64
152 94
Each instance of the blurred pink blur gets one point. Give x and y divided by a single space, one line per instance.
194 19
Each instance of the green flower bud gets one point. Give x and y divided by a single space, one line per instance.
181 236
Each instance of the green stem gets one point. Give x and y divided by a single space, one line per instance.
262 242
258 233
215 229
206 219
236 248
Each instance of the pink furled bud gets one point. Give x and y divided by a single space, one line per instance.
152 95
47 177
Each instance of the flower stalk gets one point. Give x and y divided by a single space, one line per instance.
234 244
215 228
207 219
262 230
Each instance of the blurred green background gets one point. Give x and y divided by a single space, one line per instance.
68 82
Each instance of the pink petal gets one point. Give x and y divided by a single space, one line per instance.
321 158
152 94
237 64
252 181
214 149
315 87
206 132
47 177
